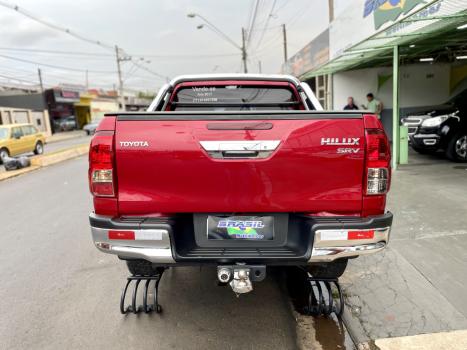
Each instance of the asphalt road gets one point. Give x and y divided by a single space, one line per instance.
55 146
58 291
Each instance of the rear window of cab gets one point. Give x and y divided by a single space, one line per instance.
233 98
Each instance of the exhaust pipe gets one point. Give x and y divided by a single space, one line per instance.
224 274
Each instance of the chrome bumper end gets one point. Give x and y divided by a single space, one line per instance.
151 245
331 245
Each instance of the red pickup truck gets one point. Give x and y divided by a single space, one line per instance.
240 171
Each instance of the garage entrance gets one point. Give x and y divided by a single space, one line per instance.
416 67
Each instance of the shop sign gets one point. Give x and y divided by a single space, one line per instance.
388 10
311 56
66 96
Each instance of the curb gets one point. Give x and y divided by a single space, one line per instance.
306 337
8 174
451 340
38 162
59 156
355 330
52 139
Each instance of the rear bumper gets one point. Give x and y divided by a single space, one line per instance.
322 239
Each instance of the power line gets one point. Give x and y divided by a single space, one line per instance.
56 77
19 79
266 25
110 56
53 66
273 41
55 26
284 4
187 55
66 31
275 14
72 53
252 23
214 28
130 72
149 70
294 19
250 12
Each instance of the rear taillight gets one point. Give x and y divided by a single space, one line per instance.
101 170
378 160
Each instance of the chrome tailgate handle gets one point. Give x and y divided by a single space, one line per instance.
240 154
240 149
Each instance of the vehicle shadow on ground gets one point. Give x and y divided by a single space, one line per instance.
199 314
194 303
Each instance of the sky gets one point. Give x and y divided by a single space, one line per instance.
157 35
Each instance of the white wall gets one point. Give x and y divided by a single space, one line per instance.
100 107
420 85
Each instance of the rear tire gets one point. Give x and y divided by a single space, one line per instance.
333 269
142 268
457 148
39 148
4 153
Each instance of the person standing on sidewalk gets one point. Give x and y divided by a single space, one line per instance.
375 106
350 104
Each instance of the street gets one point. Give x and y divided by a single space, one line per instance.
55 146
58 291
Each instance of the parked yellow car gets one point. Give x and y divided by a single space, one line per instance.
20 138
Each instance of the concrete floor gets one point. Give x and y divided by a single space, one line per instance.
419 284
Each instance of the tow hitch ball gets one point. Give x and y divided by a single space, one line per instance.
240 277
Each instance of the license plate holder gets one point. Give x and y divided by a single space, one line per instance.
240 228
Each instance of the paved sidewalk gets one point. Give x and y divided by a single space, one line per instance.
66 135
436 341
418 285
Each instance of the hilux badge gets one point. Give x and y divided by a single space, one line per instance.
337 141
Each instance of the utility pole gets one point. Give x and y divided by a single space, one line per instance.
120 80
40 79
47 118
245 68
259 67
284 33
87 80
331 10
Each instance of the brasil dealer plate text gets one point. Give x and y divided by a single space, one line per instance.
259 228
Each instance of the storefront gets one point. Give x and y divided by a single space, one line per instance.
410 54
60 104
25 108
93 105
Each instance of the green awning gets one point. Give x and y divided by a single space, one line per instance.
419 34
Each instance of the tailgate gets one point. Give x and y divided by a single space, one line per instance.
309 163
